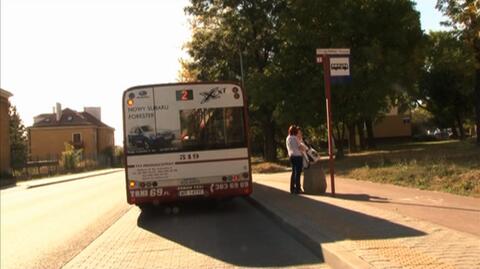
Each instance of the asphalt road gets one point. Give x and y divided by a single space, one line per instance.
45 227
88 224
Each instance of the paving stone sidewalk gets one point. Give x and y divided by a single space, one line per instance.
355 235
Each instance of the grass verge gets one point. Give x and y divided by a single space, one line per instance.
268 167
449 166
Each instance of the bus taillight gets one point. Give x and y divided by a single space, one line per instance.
132 184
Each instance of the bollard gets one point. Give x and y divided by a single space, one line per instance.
314 181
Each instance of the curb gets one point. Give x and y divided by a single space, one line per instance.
290 229
333 255
70 179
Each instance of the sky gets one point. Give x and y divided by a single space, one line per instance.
84 53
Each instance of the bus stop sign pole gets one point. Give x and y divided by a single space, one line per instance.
338 67
326 75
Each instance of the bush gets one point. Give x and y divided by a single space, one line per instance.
71 157
5 175
118 157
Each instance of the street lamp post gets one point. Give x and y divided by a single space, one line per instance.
241 69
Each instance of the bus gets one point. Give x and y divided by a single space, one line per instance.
185 141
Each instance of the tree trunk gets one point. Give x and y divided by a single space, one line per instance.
361 134
269 145
339 141
477 97
460 127
352 142
370 137
454 130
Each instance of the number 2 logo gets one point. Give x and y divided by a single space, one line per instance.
184 96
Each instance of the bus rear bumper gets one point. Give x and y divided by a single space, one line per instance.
163 195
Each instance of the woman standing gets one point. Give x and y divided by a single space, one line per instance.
294 149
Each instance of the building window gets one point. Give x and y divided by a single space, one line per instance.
77 138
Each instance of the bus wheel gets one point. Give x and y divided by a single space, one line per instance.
224 203
146 208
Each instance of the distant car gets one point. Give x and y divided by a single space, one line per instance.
146 138
442 133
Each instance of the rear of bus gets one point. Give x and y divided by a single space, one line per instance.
185 141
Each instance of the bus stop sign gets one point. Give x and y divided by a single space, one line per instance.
339 61
339 66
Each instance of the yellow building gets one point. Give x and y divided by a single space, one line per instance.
393 125
5 167
84 130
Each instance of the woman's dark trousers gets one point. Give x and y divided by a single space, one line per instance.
297 165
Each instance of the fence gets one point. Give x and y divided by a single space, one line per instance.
37 167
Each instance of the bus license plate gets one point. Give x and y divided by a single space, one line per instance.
191 192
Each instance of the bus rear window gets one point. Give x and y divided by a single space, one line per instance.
212 128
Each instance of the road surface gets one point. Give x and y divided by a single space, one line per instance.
45 227
88 224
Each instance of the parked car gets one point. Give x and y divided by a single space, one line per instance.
441 134
145 137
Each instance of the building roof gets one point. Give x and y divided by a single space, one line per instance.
69 117
5 94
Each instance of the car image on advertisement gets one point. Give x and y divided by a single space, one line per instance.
145 137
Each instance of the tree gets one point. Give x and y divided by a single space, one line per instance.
18 140
225 31
384 37
446 86
277 40
186 74
465 19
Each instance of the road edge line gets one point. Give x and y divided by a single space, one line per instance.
70 179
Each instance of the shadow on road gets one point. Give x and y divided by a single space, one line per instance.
233 232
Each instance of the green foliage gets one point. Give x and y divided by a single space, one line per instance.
118 157
4 176
18 140
277 41
71 157
422 121
108 151
384 53
446 86
225 31
464 17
